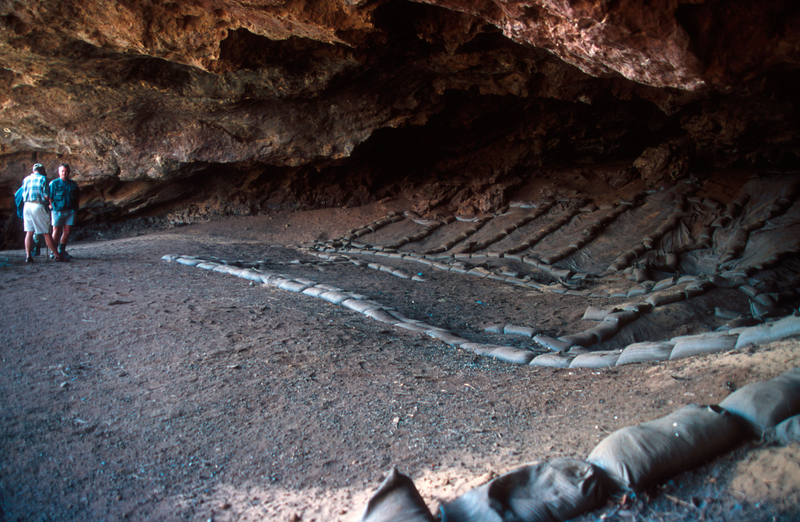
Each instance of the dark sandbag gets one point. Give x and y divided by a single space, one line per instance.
637 456
762 405
703 344
645 352
397 500
544 492
584 339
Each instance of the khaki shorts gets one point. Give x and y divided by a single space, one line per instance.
36 218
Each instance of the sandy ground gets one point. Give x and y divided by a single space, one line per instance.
135 388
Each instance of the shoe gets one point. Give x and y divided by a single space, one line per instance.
61 259
29 259
52 255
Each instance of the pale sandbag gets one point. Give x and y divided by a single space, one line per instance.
787 432
314 291
334 297
542 492
645 352
292 286
598 359
594 313
495 328
762 405
397 500
328 287
361 305
503 353
251 275
169 257
552 360
446 337
666 298
524 331
703 344
207 265
638 456
414 327
769 332
188 261
551 344
381 315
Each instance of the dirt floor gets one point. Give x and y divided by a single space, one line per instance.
133 388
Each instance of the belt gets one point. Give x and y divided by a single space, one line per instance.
37 202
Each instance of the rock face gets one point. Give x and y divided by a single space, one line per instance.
207 107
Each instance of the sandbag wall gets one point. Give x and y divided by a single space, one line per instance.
630 459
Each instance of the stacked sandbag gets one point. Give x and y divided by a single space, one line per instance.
545 492
397 500
762 405
638 456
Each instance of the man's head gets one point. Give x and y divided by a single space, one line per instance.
64 171
38 168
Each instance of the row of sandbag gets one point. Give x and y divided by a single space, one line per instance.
358 303
632 458
576 358
675 348
611 321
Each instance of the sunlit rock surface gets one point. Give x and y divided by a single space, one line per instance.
192 109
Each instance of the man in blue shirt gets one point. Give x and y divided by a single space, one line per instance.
36 195
64 194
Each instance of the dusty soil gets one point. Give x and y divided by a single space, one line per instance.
135 388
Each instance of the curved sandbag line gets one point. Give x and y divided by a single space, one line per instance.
372 309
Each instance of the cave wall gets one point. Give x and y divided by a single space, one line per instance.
222 107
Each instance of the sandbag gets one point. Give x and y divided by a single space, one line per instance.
598 359
703 344
397 500
510 354
552 360
637 456
645 352
520 330
188 261
769 332
543 492
787 432
551 344
762 405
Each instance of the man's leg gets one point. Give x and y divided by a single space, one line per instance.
28 246
57 231
64 238
51 245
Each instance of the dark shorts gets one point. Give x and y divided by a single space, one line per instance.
63 217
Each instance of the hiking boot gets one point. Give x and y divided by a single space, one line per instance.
29 259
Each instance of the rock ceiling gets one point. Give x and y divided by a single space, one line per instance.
226 106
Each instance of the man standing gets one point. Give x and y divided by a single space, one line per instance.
64 194
36 195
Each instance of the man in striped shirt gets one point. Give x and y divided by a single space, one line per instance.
36 195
